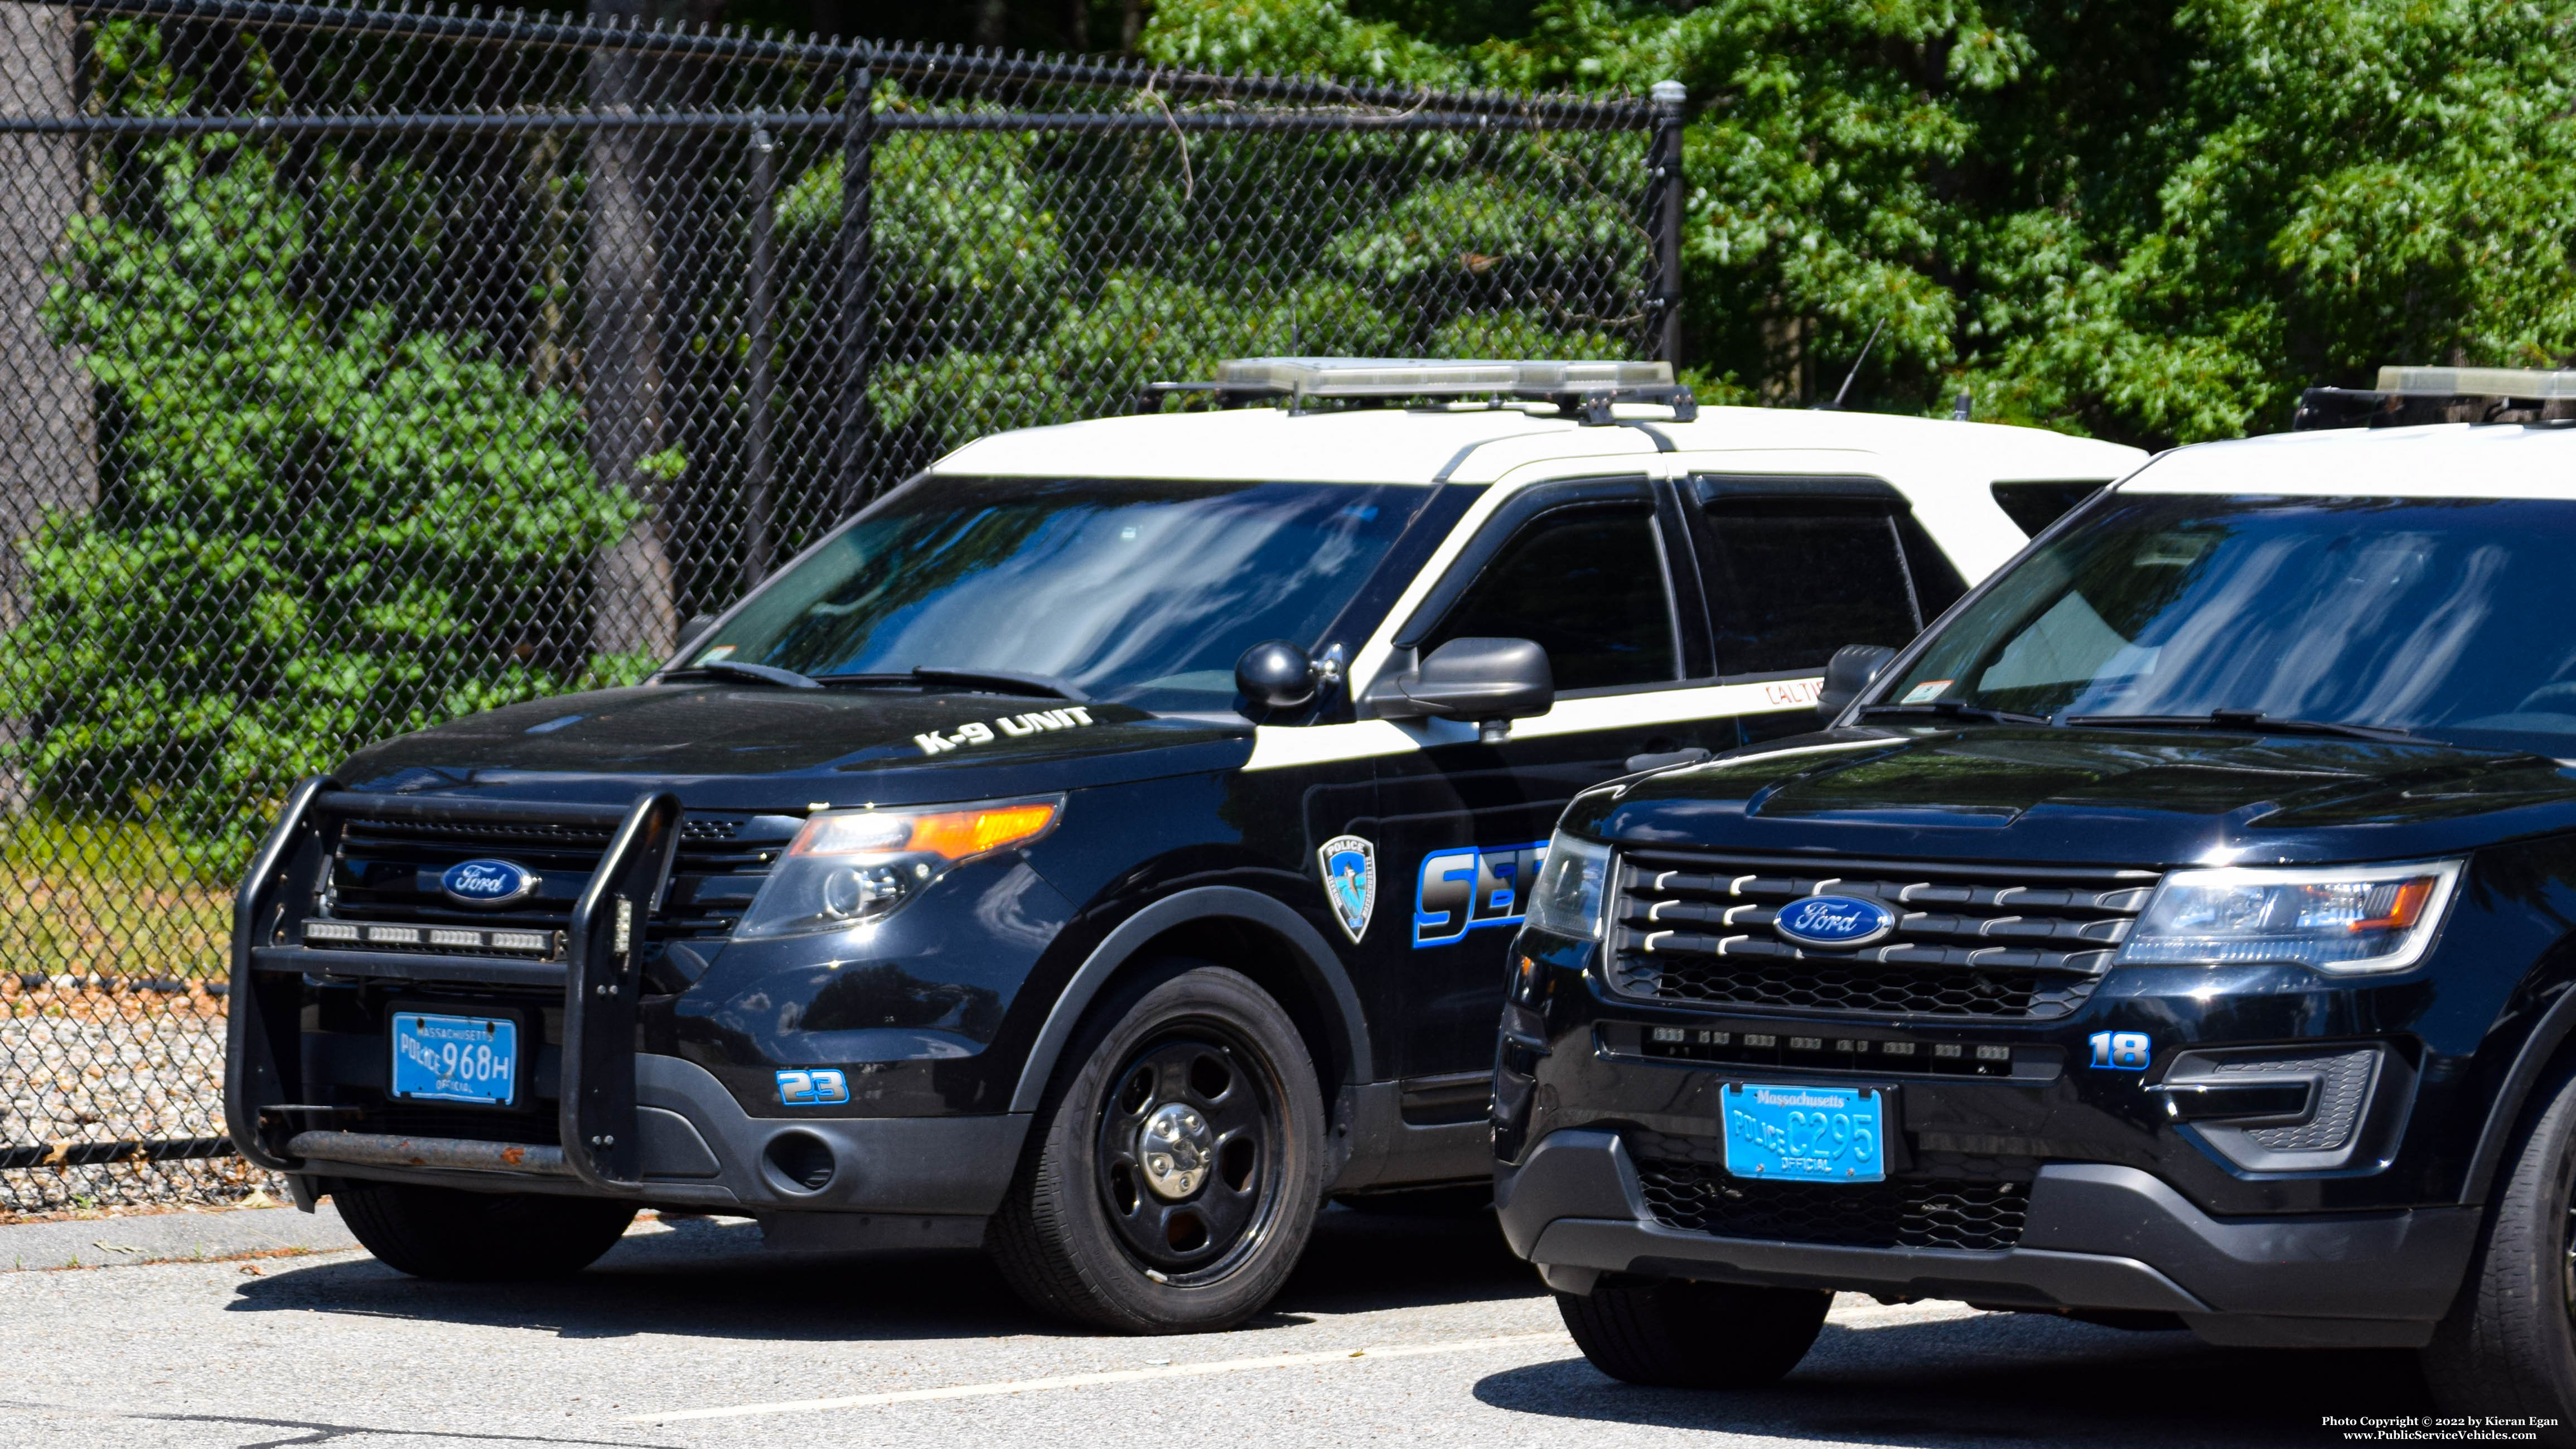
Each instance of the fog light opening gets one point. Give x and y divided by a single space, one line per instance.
801 1162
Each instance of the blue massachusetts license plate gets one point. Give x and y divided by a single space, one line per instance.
1805 1134
456 1058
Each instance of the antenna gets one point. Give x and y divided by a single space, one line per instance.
1845 390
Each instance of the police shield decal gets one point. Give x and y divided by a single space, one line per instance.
1350 882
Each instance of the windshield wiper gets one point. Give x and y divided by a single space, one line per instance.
1956 709
751 674
2242 719
1002 681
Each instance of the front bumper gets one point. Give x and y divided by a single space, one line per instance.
605 1119
2098 1237
698 1148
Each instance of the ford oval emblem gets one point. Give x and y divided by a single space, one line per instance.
487 882
1839 923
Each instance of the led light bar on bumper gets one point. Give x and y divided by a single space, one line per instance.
374 936
2334 918
851 867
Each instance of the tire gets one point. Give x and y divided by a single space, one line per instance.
478 1237
1101 1228
2508 1347
1673 1334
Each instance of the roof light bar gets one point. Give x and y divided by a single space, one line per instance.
2415 396
1580 388
2476 382
1402 377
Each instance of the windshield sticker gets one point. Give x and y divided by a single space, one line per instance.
1350 881
717 655
976 732
1928 690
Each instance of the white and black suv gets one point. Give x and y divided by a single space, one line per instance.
1102 848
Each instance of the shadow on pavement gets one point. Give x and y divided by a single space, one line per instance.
712 1276
2004 1379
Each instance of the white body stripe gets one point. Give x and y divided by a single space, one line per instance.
1279 747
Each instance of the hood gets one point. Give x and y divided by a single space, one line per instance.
2078 796
754 747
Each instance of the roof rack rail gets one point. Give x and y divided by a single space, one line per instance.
2412 396
1584 390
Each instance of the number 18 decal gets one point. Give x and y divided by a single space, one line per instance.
2126 1051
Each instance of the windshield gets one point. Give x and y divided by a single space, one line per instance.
1139 592
2453 618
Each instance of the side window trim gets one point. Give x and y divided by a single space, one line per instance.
1499 528
1905 558
1709 488
1532 509
1685 584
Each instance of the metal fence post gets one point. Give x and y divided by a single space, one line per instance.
1664 207
760 302
858 300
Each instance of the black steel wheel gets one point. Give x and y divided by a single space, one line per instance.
1173 1174
1190 1137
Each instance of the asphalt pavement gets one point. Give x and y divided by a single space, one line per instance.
690 1334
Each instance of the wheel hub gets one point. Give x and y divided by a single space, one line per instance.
1175 1146
1188 1155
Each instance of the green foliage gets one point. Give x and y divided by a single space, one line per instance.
2155 221
309 535
1023 296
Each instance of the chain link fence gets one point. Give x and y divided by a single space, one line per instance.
366 368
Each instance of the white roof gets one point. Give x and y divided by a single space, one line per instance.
2441 460
1481 445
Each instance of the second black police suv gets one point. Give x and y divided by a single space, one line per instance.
2182 932
1100 849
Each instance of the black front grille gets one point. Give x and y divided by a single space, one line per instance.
1899 1213
1993 942
388 871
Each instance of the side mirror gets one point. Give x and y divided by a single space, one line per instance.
692 631
1848 673
1276 674
1488 682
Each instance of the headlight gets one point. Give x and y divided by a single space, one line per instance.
1567 898
2335 918
849 867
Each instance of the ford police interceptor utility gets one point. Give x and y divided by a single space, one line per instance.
1102 847
2180 933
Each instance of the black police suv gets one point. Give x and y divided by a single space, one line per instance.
1101 848
2180 932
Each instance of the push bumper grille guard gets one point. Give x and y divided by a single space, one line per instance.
602 981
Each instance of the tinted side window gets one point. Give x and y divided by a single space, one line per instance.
1794 579
1587 584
